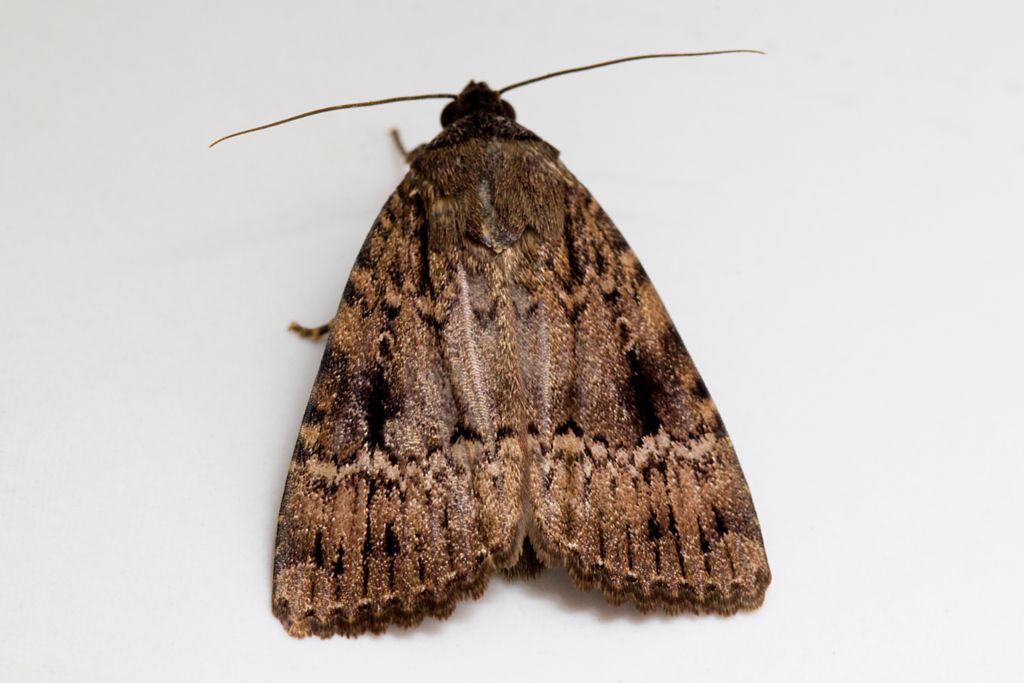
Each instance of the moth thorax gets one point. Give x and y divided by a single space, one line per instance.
494 229
476 98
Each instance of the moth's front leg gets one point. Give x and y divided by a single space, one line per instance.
313 333
406 154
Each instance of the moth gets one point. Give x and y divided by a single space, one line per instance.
503 390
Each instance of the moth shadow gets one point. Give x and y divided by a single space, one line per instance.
554 582
549 584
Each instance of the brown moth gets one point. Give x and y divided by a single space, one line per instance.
502 389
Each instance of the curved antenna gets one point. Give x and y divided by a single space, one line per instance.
336 107
619 61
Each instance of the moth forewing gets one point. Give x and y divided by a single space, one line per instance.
502 388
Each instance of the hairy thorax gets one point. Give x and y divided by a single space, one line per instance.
490 189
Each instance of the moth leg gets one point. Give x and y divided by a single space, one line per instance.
406 154
313 333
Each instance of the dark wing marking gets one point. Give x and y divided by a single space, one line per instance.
403 494
633 484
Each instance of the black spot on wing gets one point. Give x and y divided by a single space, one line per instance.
384 347
569 426
705 546
719 523
350 296
506 432
639 395
390 540
653 528
673 529
318 549
339 562
379 408
700 390
465 433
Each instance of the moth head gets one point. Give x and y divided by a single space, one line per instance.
476 98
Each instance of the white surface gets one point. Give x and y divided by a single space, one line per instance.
835 228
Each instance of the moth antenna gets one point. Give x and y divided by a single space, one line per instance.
621 60
351 105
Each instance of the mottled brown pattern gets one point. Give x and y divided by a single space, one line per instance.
501 369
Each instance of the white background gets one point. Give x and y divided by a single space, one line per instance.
835 228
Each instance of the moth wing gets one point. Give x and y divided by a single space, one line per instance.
634 485
396 503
